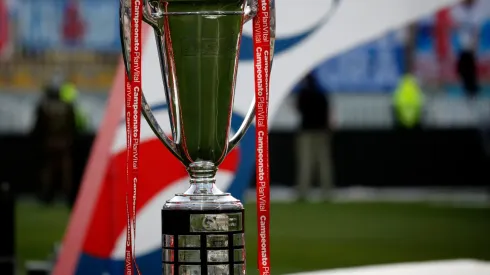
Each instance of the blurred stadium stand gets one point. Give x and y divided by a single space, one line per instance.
91 72
47 40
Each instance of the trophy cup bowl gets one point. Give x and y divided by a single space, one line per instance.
198 43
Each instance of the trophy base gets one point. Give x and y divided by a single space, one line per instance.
203 232
203 242
200 240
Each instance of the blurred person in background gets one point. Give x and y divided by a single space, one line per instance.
408 104
408 99
466 24
313 145
69 95
54 132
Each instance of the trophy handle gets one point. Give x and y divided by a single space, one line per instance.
250 10
146 109
155 127
152 10
233 142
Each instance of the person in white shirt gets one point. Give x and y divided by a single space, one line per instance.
467 22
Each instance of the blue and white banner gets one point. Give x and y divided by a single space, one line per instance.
378 65
372 67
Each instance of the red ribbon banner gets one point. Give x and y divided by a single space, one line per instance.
262 48
261 34
133 124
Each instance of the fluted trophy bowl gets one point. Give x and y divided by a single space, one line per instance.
198 43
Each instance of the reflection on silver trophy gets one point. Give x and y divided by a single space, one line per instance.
198 47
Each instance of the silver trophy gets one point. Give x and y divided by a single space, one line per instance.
198 44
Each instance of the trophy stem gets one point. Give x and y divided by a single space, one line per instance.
202 178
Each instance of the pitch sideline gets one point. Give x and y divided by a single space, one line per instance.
447 267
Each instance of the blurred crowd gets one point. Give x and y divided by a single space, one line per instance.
39 41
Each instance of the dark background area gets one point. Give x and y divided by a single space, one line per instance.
377 158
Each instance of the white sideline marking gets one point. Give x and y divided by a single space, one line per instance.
452 267
477 197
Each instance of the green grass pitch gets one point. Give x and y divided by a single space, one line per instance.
313 236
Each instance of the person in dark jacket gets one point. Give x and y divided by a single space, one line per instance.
467 21
313 140
54 132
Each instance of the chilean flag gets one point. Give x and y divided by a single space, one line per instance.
442 33
94 241
73 25
443 49
4 28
